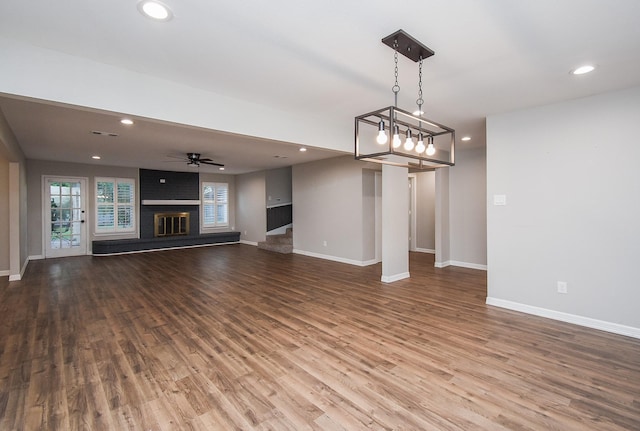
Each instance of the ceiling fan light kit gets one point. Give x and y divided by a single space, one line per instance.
372 142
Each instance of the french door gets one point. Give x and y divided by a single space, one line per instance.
65 230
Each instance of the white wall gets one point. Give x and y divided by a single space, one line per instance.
468 208
570 175
251 212
41 73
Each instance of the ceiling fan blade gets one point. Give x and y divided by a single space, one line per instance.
210 162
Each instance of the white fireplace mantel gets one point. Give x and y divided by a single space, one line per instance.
170 202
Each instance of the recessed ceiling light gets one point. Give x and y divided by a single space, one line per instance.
221 168
303 149
466 138
583 69
126 121
155 10
95 157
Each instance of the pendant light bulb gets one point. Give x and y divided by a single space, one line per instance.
420 147
431 150
409 144
382 136
396 137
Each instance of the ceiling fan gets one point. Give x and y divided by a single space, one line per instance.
194 159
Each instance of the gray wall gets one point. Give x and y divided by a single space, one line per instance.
13 196
570 175
4 214
19 215
251 213
443 242
368 215
278 186
328 207
38 168
468 208
426 211
395 207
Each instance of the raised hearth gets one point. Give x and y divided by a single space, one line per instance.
132 245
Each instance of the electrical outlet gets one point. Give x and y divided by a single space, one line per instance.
324 243
562 287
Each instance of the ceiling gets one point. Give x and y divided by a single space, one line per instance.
322 58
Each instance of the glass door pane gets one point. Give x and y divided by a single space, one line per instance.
66 218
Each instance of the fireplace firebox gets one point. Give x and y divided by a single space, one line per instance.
170 224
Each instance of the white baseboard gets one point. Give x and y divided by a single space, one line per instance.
460 264
244 241
335 258
468 265
36 257
17 277
424 250
4 273
392 278
588 322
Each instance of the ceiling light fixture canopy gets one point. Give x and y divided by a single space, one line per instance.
371 140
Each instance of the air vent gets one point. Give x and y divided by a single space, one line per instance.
98 132
280 157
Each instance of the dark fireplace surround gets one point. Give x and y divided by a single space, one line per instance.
163 186
166 192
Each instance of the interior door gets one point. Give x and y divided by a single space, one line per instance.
65 230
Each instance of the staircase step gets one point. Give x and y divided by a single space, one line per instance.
281 243
280 248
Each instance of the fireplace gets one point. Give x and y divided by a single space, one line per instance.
170 224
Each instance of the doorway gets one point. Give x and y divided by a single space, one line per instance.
65 231
412 213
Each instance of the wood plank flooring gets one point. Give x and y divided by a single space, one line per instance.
236 338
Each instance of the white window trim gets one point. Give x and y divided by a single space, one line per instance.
203 204
115 230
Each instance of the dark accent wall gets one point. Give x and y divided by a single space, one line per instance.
177 185
279 216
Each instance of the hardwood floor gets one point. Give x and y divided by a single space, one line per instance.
236 338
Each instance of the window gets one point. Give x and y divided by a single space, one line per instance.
115 205
215 204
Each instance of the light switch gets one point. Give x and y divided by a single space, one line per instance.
499 199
